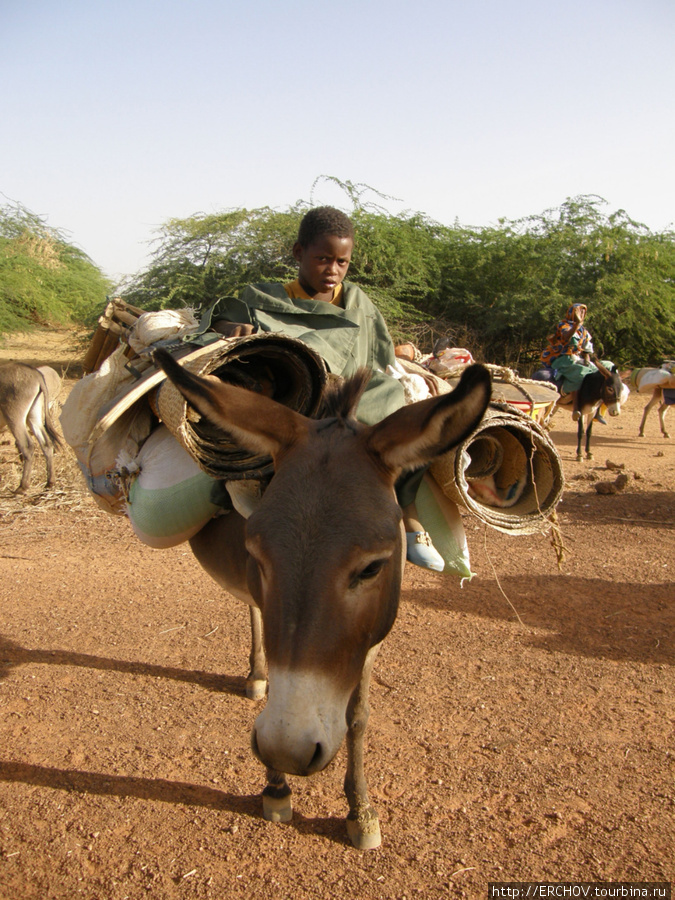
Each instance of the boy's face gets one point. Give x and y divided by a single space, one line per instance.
323 264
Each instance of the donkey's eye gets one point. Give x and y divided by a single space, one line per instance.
372 569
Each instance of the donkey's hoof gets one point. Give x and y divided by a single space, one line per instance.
277 809
364 834
589 456
579 457
256 688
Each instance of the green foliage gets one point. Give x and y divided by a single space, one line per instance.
514 282
204 257
396 262
44 280
200 259
498 291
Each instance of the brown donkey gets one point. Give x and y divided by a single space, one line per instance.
320 562
25 397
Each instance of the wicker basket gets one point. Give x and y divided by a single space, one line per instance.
282 367
507 446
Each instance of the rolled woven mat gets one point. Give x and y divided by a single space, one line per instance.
281 367
508 472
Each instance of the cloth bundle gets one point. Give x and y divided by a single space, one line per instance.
647 380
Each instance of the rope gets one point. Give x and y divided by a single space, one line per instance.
511 377
557 541
499 584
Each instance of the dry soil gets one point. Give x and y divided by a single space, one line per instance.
522 725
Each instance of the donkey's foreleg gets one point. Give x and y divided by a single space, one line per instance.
580 437
656 398
589 429
256 682
663 409
363 826
277 803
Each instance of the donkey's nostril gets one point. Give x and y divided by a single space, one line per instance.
316 762
292 760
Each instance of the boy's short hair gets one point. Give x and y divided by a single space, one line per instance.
324 220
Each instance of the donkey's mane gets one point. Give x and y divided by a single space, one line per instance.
341 395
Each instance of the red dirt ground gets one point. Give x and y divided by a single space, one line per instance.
522 726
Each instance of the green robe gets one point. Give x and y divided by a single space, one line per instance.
346 338
569 373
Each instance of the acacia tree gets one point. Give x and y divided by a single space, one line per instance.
512 283
43 278
199 259
497 290
204 257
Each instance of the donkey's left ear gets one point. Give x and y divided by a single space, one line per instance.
416 434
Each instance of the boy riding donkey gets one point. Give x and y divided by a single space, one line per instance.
339 321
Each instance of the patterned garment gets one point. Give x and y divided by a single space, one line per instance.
568 338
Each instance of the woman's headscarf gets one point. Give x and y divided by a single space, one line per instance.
566 341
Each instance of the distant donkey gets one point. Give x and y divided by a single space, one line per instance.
661 382
602 386
25 397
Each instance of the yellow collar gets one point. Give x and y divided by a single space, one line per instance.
295 292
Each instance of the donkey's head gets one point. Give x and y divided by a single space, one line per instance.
325 546
611 389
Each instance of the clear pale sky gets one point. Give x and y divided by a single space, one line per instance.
116 116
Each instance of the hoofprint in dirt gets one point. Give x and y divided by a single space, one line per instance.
522 727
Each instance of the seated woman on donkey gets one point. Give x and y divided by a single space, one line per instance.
568 353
